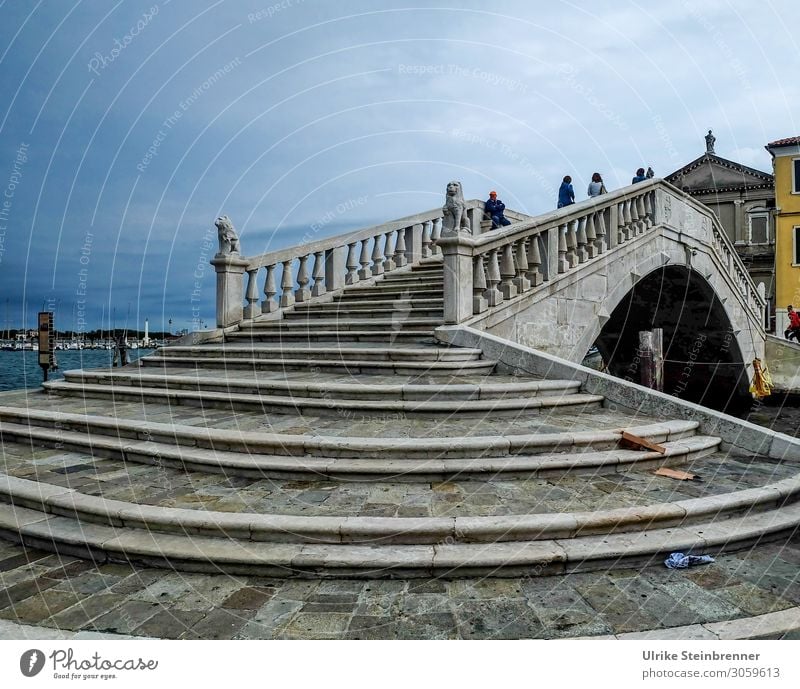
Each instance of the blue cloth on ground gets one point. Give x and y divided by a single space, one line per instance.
681 561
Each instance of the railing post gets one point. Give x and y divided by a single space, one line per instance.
479 303
287 284
338 267
269 305
612 228
458 279
552 244
251 310
507 273
400 259
230 270
319 275
302 293
414 250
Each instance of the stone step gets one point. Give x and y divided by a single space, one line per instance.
363 389
565 544
349 366
353 352
327 406
388 292
391 466
367 304
301 322
252 443
347 312
343 338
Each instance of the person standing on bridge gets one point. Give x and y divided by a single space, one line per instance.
566 194
494 208
596 186
640 176
794 324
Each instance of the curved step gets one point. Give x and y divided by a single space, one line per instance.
444 558
350 366
339 336
341 311
304 388
345 325
232 463
402 354
326 406
364 448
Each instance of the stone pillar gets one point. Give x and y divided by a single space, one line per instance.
335 268
739 223
414 244
230 288
457 252
551 260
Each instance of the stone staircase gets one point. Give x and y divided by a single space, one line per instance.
341 439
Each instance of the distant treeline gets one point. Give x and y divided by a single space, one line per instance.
91 335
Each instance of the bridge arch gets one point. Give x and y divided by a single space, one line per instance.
704 362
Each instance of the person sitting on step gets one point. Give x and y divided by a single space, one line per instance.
494 208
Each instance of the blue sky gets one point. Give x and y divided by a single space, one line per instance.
127 127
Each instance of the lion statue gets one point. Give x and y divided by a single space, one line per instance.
455 211
228 239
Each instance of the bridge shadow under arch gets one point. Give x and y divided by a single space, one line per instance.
703 360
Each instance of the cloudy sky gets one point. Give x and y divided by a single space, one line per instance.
127 127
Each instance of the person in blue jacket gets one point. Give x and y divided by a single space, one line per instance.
640 176
494 208
566 194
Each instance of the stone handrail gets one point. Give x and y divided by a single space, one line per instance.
486 271
346 259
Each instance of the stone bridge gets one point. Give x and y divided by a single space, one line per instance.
599 271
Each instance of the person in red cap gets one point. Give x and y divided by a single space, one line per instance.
494 208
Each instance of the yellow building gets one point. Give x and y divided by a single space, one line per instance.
786 164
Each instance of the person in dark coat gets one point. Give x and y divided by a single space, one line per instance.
494 208
566 194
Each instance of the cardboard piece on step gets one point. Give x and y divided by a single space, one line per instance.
636 443
677 474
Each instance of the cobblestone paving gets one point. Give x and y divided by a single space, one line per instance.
158 485
42 589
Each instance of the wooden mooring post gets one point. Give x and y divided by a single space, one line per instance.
651 358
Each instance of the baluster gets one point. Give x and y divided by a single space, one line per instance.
639 201
436 235
377 257
600 228
508 272
388 253
635 227
572 244
591 237
648 208
534 275
364 273
493 294
626 212
287 285
302 293
251 295
479 303
521 266
269 305
319 274
563 264
400 259
583 254
427 239
352 265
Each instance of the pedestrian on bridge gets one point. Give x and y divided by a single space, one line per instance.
794 324
596 186
494 208
640 176
566 194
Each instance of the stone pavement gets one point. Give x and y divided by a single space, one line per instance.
70 595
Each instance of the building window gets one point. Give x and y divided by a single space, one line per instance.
796 247
796 176
759 228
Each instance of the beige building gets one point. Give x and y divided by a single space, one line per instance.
743 199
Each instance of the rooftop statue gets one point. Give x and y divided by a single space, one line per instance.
710 139
228 239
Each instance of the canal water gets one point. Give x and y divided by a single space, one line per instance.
21 369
